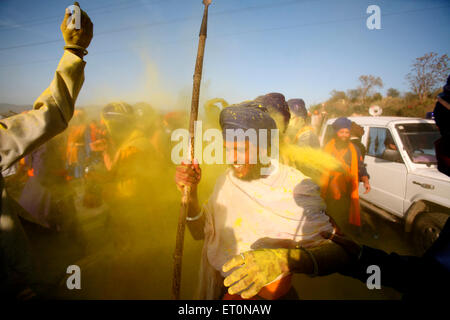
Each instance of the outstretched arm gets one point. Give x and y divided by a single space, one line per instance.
255 269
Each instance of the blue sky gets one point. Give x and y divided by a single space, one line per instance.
146 49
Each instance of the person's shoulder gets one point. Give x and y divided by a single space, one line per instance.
357 146
291 174
223 176
219 193
298 181
286 168
222 180
330 143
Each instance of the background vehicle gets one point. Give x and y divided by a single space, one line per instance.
406 185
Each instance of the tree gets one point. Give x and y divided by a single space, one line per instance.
393 93
410 96
337 95
427 73
353 94
376 97
368 83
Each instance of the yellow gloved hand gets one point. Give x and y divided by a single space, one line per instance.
256 269
80 37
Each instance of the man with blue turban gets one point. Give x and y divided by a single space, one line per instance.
258 203
340 188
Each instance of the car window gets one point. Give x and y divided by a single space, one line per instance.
418 140
329 134
381 145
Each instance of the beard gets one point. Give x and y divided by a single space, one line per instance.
246 172
342 143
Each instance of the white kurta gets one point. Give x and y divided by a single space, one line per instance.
284 205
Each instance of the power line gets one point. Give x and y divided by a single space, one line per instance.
232 11
56 18
146 25
360 18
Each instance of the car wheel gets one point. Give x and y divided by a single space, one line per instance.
426 229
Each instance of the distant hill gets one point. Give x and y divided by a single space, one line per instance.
7 109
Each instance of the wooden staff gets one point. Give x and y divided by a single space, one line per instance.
178 255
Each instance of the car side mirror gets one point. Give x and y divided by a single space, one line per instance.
392 155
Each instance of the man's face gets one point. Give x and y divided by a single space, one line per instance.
343 134
239 153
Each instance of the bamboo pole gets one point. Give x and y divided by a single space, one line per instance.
178 254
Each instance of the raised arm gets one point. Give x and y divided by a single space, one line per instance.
54 108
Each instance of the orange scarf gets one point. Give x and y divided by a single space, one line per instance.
74 142
341 181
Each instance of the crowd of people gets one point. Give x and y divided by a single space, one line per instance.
258 226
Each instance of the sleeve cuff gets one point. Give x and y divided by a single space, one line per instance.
69 58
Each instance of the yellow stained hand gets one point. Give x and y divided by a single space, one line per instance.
81 37
254 270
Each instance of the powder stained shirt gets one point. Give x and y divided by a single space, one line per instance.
283 205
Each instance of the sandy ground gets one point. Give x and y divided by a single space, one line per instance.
146 273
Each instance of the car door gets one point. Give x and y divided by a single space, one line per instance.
387 177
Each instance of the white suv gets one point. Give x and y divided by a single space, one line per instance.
406 185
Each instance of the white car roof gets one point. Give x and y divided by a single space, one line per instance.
383 121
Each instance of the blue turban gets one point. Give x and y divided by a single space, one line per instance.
342 123
275 103
297 107
246 116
